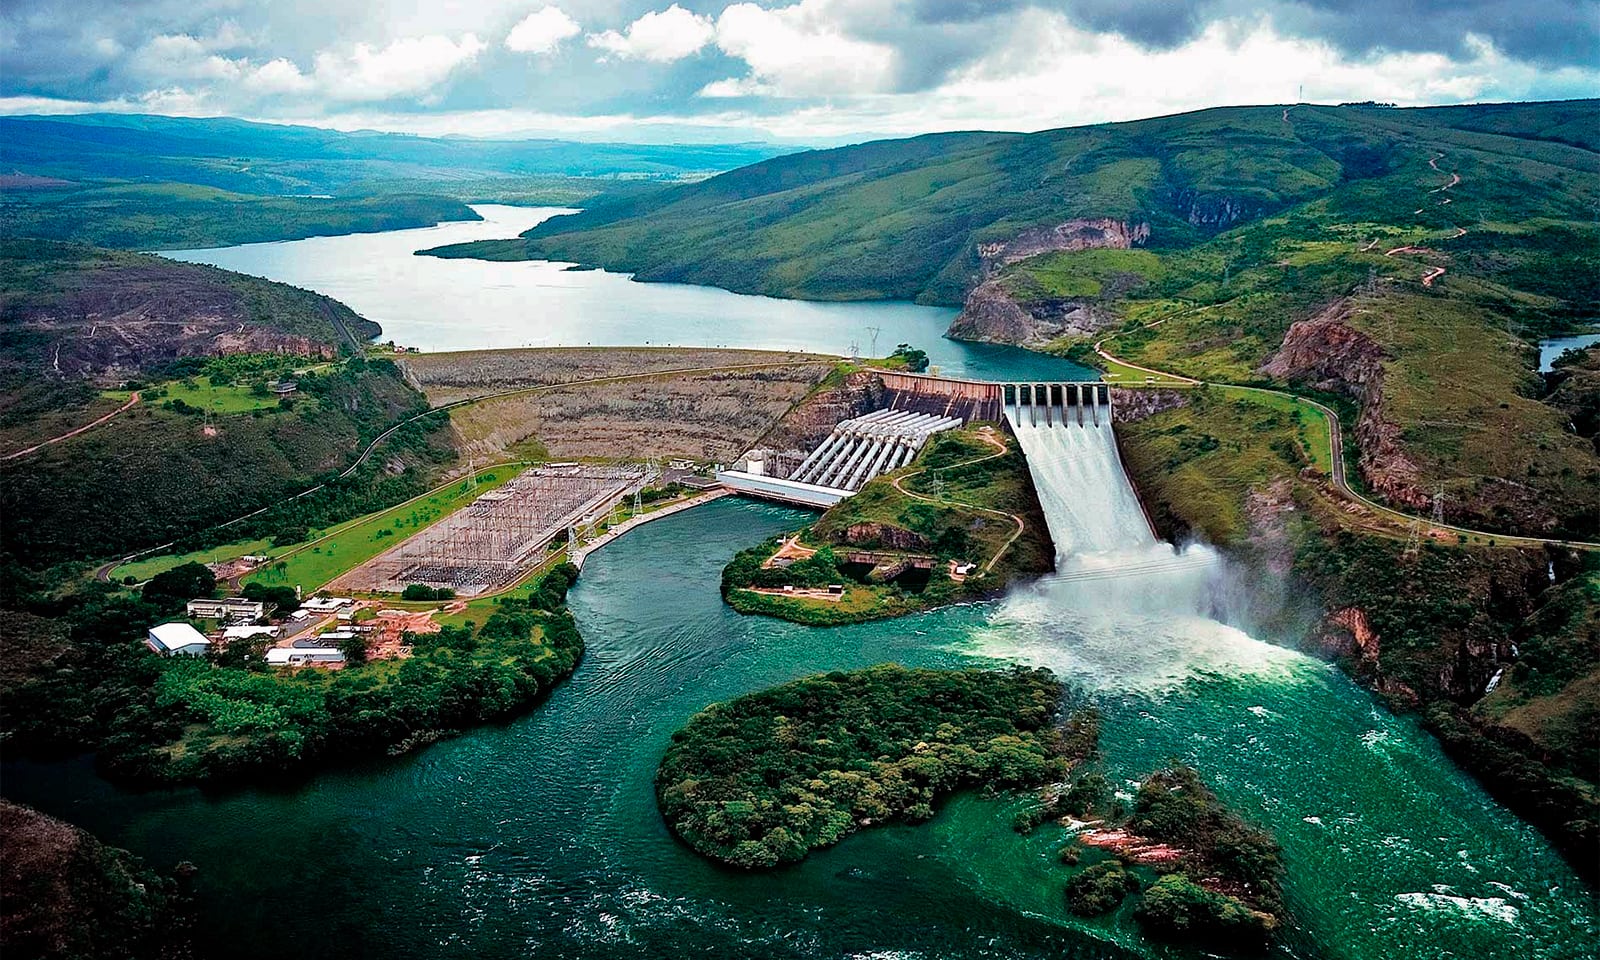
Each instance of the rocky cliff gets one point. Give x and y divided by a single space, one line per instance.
993 314
1327 353
1082 234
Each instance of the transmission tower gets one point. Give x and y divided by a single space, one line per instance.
1438 505
1414 539
874 331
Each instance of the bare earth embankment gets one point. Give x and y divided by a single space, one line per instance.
607 403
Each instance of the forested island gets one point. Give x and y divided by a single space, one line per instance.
765 778
959 522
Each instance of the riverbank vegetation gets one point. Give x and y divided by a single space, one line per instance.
895 545
765 778
1493 646
151 719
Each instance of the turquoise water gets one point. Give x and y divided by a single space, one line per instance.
540 838
473 304
1550 349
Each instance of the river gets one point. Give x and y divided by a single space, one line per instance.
540 837
440 304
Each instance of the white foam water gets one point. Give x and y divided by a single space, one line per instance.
1124 610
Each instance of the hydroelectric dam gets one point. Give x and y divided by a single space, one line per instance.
913 408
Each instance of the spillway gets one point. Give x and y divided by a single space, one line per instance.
1124 609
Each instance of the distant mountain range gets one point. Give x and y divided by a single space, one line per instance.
267 158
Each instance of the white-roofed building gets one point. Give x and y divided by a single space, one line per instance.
177 640
304 656
247 632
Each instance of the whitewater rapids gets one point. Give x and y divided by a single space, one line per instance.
1124 610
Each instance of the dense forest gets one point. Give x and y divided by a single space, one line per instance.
765 778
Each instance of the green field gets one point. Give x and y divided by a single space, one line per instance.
312 564
142 570
200 392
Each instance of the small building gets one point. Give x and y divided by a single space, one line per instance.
283 388
681 463
177 640
247 632
962 569
836 589
232 608
327 605
304 656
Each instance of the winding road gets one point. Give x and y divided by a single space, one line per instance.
73 433
1000 450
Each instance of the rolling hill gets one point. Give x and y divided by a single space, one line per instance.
904 219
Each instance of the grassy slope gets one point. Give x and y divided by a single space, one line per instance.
948 531
901 218
153 474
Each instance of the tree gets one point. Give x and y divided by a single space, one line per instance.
184 582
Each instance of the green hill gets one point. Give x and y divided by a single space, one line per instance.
904 218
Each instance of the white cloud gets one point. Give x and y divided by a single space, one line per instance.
541 31
278 76
659 36
180 57
409 66
798 51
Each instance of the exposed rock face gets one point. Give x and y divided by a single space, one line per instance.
1208 211
1085 234
117 321
1328 353
991 315
884 535
1131 406
809 423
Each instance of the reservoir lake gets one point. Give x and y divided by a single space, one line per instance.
438 304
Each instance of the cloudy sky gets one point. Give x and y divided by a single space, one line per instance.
805 70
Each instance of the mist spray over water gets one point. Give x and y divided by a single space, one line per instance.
1124 610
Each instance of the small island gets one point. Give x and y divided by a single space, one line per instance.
1202 874
960 522
765 778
